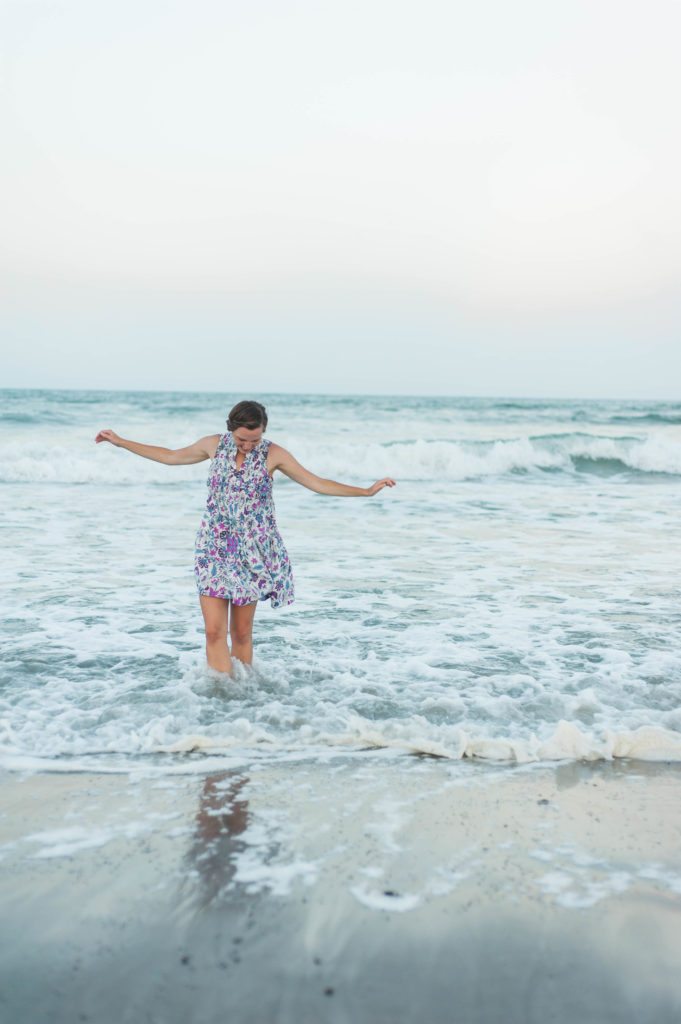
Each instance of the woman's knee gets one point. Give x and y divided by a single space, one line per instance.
215 634
241 634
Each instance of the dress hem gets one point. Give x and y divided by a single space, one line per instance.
240 603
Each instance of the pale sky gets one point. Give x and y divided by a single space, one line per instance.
435 197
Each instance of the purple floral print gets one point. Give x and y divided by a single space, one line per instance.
239 552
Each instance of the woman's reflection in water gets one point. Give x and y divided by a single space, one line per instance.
221 818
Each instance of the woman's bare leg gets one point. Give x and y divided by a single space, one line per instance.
241 630
215 611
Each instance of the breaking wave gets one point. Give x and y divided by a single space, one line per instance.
421 459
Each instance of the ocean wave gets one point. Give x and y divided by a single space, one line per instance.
644 418
249 741
567 742
45 463
420 459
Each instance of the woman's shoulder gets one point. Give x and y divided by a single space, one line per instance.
214 442
274 450
277 456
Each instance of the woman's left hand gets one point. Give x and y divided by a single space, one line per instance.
379 485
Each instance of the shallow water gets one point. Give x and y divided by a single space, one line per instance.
514 598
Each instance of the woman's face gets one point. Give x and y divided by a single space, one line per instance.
246 439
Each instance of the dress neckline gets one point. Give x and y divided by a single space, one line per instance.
231 443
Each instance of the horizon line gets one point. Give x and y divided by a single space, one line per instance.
346 394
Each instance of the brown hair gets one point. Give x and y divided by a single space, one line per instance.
250 415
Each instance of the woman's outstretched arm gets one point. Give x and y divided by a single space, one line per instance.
289 466
202 449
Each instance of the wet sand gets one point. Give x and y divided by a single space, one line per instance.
368 888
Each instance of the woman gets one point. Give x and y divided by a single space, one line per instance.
239 556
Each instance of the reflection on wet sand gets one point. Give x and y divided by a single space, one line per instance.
220 819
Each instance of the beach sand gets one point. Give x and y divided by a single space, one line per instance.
365 888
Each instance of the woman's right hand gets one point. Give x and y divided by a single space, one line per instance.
108 435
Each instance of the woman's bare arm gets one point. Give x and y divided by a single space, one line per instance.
282 460
201 450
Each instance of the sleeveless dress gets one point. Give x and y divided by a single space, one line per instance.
239 553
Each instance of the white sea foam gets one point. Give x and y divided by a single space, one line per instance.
377 899
64 842
258 875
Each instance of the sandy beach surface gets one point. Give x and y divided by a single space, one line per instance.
368 887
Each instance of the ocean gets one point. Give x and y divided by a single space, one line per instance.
514 599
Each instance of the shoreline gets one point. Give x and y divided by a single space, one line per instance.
348 891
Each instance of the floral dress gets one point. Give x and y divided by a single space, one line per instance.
239 552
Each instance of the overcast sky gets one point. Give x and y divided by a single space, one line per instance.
431 197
